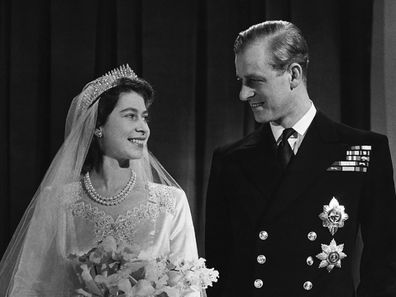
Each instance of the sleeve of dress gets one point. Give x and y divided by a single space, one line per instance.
182 240
378 225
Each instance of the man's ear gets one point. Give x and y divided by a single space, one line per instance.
296 75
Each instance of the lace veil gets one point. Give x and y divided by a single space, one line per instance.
39 230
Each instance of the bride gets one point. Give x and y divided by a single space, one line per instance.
102 182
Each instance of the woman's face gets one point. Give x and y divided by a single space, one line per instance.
126 131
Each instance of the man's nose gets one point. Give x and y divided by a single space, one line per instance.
246 93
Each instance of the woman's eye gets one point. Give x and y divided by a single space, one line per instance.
146 118
132 116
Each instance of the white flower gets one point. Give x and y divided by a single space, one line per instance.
110 281
125 286
162 281
89 282
83 293
95 257
109 244
208 276
174 277
190 279
155 270
199 263
85 274
143 288
171 291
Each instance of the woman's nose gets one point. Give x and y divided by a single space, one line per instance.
142 127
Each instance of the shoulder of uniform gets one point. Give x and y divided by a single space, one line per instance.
351 134
348 134
230 148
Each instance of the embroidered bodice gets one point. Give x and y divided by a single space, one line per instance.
155 220
125 226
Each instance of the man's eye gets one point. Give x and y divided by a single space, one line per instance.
146 118
252 82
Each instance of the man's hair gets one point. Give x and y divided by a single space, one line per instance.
286 43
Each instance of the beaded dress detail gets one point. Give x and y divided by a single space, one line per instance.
125 226
159 222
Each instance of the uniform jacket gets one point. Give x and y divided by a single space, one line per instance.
248 194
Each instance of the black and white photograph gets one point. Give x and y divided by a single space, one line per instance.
198 148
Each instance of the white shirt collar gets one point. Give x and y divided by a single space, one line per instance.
301 126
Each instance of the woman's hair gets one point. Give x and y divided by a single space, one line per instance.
106 104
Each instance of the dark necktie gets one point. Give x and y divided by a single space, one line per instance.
285 151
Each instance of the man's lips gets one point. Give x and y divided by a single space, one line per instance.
256 104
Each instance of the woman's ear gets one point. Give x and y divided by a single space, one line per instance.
296 76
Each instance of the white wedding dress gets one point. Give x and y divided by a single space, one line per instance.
156 222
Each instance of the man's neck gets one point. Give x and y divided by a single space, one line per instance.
302 103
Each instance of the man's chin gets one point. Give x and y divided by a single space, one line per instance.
261 118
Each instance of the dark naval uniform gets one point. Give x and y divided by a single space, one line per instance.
294 233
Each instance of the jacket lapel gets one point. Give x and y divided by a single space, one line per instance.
256 159
318 150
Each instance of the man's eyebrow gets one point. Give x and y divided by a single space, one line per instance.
254 76
250 76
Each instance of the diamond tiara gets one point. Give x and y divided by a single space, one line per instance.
100 85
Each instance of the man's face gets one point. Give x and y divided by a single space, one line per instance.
266 90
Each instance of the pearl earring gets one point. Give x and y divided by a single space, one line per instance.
98 133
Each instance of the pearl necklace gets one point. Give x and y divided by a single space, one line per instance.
112 200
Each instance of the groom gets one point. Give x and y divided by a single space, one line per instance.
285 203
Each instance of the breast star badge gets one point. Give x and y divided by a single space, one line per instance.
333 216
331 255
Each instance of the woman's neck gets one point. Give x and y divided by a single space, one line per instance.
111 176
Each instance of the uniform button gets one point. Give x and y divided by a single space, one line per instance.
310 261
312 236
261 259
263 235
307 285
258 283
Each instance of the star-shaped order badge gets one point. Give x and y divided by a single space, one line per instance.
333 216
331 255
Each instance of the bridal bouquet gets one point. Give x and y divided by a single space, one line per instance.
112 269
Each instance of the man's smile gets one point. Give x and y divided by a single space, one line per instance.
256 104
